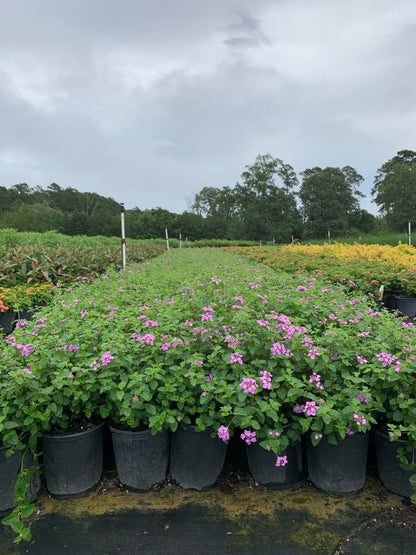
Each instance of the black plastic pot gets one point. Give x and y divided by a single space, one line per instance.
25 315
262 464
9 471
141 458
196 459
405 305
392 475
29 314
338 468
7 320
73 463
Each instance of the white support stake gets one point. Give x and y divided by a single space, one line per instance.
410 233
123 238
167 239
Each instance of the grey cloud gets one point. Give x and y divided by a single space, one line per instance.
149 102
250 29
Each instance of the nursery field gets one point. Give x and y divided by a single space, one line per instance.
32 264
193 313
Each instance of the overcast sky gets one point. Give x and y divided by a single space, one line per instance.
149 101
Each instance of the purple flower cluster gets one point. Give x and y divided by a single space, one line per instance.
281 461
359 419
313 353
248 437
106 358
249 385
236 357
26 349
147 338
280 349
309 408
363 399
314 377
223 433
387 358
266 379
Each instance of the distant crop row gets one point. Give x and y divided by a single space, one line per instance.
37 263
363 268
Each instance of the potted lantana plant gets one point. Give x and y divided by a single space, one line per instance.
392 371
60 361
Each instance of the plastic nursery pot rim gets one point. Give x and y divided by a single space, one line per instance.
385 435
130 433
74 436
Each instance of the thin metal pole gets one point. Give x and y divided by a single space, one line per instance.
123 238
410 233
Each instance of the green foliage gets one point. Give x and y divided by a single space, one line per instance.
329 200
382 238
394 189
261 207
17 519
54 208
369 267
150 352
35 259
255 209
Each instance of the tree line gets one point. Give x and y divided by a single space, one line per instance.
269 203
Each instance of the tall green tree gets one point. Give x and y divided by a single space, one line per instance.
261 207
219 209
266 201
33 217
329 199
394 190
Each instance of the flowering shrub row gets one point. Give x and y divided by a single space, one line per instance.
203 337
363 268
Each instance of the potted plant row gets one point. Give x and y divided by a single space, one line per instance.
214 346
